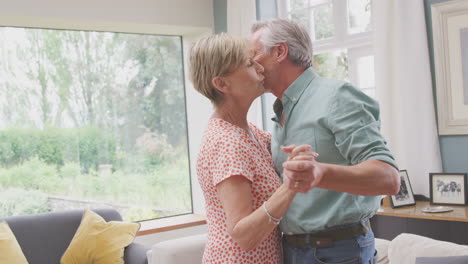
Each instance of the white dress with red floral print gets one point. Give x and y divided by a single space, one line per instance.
228 150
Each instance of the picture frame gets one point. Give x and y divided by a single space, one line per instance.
448 188
405 196
450 46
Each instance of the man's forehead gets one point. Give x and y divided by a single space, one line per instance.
255 39
255 36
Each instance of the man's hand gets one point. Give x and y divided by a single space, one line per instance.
301 172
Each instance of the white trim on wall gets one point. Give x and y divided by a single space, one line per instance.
448 19
184 13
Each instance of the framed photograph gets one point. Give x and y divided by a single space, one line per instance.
448 188
450 44
405 196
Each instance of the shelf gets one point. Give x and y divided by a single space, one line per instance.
459 213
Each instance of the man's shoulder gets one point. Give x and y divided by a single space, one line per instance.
327 89
327 84
336 88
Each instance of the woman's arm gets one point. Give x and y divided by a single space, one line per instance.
248 227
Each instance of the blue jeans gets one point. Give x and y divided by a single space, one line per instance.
357 250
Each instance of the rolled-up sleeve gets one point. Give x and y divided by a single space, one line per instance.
354 120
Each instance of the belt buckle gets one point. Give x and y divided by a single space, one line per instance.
324 242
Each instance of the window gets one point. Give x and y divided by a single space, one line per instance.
92 119
341 33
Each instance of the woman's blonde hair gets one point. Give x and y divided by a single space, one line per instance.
216 55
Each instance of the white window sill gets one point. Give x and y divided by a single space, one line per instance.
170 223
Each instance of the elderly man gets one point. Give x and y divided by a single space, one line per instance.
330 223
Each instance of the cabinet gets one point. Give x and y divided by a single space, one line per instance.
450 226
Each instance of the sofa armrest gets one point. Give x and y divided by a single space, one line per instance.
187 250
381 245
135 254
405 248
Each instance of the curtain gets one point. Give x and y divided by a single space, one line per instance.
240 16
404 88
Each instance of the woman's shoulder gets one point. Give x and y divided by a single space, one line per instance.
259 132
221 132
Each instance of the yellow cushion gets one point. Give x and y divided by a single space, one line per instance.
10 249
99 242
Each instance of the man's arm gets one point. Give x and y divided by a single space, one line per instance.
369 178
353 119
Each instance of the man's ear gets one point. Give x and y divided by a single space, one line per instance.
281 51
220 84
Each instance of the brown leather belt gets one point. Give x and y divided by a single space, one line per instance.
326 238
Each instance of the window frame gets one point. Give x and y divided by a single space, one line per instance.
358 44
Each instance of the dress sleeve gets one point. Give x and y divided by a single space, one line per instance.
231 156
354 120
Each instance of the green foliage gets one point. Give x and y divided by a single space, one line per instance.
78 78
156 188
156 93
170 181
302 17
96 147
17 145
323 18
33 174
164 190
89 145
70 170
330 65
95 82
15 201
154 147
50 145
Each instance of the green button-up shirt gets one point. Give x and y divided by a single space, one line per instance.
341 124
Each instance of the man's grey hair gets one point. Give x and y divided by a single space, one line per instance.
297 38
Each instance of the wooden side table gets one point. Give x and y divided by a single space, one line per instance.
449 226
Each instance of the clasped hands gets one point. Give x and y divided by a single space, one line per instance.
301 172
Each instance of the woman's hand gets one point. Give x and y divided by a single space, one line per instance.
298 169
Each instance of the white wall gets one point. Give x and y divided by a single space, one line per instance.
191 13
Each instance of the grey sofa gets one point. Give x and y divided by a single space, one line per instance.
45 237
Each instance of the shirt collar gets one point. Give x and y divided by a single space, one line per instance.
295 90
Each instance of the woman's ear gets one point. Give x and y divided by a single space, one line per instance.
282 51
220 84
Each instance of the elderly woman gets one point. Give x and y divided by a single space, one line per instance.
245 199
